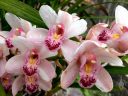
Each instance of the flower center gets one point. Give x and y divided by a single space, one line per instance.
32 60
31 83
55 37
88 71
103 36
7 81
124 29
116 36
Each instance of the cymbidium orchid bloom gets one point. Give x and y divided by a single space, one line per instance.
33 69
115 37
87 63
6 81
61 27
119 30
19 27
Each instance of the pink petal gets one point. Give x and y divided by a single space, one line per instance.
105 56
5 50
68 49
37 34
17 85
13 20
22 44
46 70
2 66
77 27
103 80
26 26
14 65
69 75
45 53
4 33
48 15
121 15
45 85
64 19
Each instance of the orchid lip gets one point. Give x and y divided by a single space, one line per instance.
55 37
103 36
31 83
87 81
31 63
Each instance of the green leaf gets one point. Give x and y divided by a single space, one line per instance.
2 92
117 70
22 10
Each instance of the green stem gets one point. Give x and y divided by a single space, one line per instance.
53 91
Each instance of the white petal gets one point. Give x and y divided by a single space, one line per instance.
15 64
17 85
26 26
105 56
77 27
68 49
46 70
22 44
48 15
13 20
2 66
37 34
69 75
45 52
121 15
65 19
45 85
103 80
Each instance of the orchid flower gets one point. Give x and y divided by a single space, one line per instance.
119 30
19 27
35 72
61 27
87 63
6 81
115 37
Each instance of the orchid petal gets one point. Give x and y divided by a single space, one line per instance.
103 80
45 85
46 70
48 15
77 27
14 65
105 56
45 53
2 66
17 85
68 48
121 15
65 19
4 34
22 44
69 75
13 20
37 34
26 26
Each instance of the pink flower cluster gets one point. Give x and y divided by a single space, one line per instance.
25 48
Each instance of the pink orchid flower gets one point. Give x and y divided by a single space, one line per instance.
87 63
115 37
119 30
99 33
35 72
62 26
6 81
19 27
